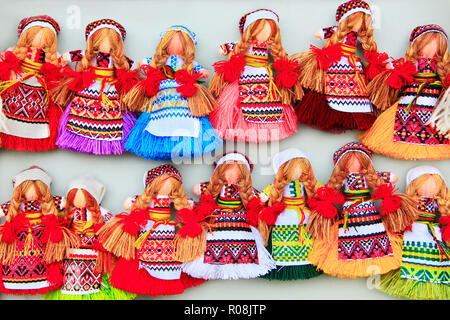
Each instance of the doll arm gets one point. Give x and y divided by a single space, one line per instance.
265 194
60 202
199 189
105 214
73 56
4 208
198 68
226 48
131 63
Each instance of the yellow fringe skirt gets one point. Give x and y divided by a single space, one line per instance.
324 254
380 139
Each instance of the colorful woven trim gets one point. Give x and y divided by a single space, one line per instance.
251 17
350 7
421 30
234 156
42 20
351 147
152 174
105 23
183 29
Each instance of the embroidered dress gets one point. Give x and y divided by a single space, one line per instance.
360 244
289 243
154 271
28 273
167 129
345 94
28 118
250 109
93 122
234 249
425 269
81 280
403 127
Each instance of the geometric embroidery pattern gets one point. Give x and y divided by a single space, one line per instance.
286 245
231 252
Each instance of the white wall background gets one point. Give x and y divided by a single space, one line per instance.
216 22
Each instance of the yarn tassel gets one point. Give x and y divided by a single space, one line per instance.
190 248
319 226
380 94
56 251
380 139
105 261
55 274
311 77
202 102
400 219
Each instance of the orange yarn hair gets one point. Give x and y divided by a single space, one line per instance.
176 193
93 48
442 195
91 205
50 45
244 184
285 175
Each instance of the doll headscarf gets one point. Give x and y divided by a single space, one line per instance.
234 156
251 17
42 21
105 23
351 7
183 29
152 174
419 171
284 156
351 147
87 182
32 173
421 30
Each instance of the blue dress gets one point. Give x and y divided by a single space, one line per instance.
167 130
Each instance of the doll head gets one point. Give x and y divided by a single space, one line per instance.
427 181
105 35
85 192
355 16
38 32
176 40
353 157
32 184
162 180
289 165
430 41
260 25
232 168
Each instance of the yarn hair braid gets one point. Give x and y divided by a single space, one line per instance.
91 205
49 46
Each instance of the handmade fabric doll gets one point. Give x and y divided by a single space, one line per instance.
83 279
287 215
174 122
33 242
28 116
143 240
361 239
257 84
337 99
221 240
425 268
414 84
94 120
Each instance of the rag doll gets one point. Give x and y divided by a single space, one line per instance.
33 241
361 238
336 78
144 240
287 214
220 238
408 95
424 272
256 86
83 279
28 116
174 106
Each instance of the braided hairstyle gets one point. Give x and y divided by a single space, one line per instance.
50 44
442 195
414 52
340 171
274 41
176 193
365 33
244 184
93 48
91 205
286 174
161 55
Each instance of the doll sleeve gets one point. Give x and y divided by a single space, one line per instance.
131 62
385 175
4 208
265 194
256 192
227 47
202 187
75 55
326 33
198 67
146 61
106 214
59 202
131 200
